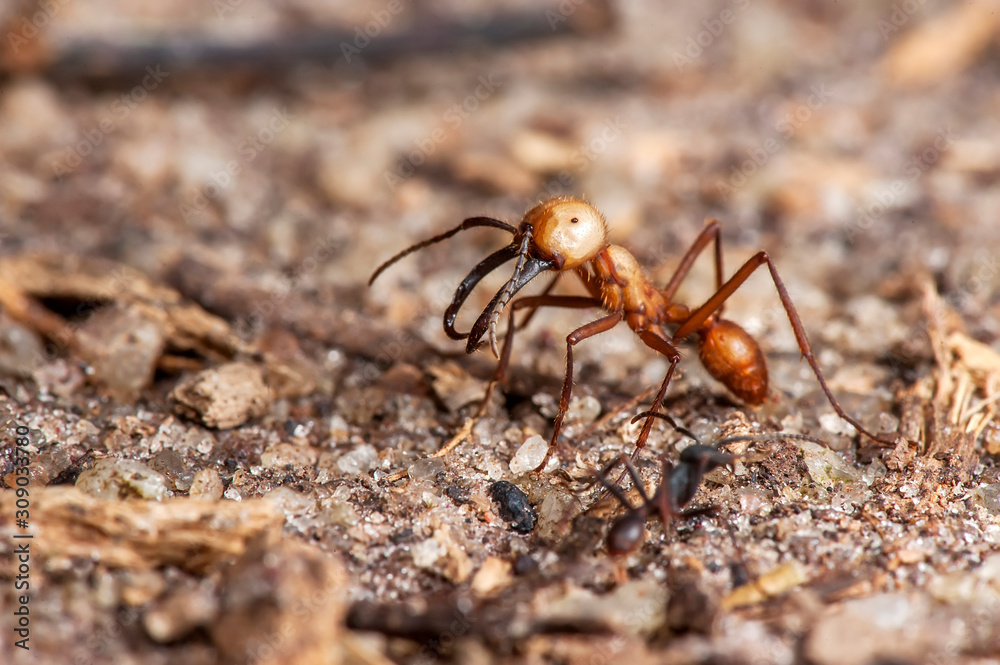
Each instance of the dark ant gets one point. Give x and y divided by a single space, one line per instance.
677 487
567 234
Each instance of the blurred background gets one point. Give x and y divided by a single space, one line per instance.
262 158
856 142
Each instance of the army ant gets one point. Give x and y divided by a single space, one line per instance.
565 234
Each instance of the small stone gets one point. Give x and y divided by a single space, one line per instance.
21 350
426 469
988 496
834 424
173 465
426 553
340 513
584 409
826 467
848 495
529 456
206 485
880 628
179 613
874 471
288 456
223 397
513 506
492 576
362 459
552 513
283 603
114 479
493 467
123 347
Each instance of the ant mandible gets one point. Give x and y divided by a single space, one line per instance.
566 234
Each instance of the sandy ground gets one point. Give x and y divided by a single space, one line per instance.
209 401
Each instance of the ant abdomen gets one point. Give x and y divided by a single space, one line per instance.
733 358
626 533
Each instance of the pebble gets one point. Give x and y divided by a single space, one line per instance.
878 626
426 469
179 613
529 456
513 506
874 471
362 459
492 576
288 456
206 485
455 386
223 397
289 502
21 350
173 465
988 496
826 467
114 479
584 409
426 553
123 347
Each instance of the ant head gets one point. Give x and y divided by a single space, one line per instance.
568 231
627 533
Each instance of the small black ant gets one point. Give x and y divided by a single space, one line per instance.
677 487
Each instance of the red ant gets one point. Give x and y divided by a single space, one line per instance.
567 234
677 487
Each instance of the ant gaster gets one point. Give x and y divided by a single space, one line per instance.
565 234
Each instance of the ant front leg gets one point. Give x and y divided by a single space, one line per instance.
534 302
697 320
583 332
572 302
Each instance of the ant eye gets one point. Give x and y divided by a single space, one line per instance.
574 220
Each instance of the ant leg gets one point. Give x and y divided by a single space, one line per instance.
713 305
665 347
534 302
660 345
574 302
711 232
615 489
583 332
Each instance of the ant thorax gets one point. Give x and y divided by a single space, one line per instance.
625 287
